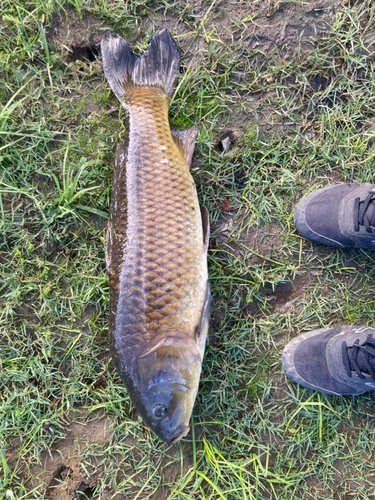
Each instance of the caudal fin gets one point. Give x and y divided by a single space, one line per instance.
158 66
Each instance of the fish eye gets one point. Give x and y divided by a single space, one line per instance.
160 410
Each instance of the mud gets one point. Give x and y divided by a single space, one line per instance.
286 295
263 27
275 26
292 25
62 471
78 39
257 244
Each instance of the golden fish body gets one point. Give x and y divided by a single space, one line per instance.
156 254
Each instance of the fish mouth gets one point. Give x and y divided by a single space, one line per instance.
179 434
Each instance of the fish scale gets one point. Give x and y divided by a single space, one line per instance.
157 271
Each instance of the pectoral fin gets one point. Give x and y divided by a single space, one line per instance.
108 246
185 141
205 318
206 227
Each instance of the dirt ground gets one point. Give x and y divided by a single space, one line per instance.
270 26
274 26
63 464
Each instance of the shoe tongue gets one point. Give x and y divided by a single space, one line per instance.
364 357
371 210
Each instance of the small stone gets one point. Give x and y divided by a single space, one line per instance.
226 144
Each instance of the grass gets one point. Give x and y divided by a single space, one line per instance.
299 123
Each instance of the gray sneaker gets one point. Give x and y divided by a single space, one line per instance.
337 361
341 216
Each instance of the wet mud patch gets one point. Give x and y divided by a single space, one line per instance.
290 26
63 472
282 297
258 25
261 243
255 244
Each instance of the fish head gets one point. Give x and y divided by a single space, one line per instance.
167 379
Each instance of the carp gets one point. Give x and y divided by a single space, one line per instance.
156 242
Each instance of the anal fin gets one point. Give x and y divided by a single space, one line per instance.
185 141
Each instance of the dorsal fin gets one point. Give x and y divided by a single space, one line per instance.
185 141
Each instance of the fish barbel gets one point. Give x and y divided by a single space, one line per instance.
156 242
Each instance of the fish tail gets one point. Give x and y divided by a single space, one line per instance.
158 66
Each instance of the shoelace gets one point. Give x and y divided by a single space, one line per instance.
364 213
360 358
